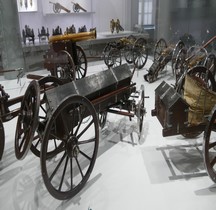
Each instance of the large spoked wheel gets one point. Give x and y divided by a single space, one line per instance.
141 110
210 63
175 52
180 63
56 9
81 66
202 74
45 84
27 121
114 58
128 53
128 49
209 146
140 53
196 55
159 47
2 139
65 68
106 52
76 8
74 123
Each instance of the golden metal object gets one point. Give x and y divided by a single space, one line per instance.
74 37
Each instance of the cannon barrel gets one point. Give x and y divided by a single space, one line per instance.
57 7
74 37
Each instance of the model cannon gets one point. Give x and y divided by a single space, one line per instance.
77 7
191 112
43 34
163 54
57 7
66 59
28 34
65 133
134 51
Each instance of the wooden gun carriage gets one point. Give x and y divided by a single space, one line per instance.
186 59
9 108
163 54
189 113
62 125
133 49
65 59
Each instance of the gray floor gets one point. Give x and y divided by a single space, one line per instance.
149 173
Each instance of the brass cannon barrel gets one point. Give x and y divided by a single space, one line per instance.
74 37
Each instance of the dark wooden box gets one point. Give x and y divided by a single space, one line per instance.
93 86
170 108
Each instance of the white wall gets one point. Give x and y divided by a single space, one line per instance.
112 9
104 11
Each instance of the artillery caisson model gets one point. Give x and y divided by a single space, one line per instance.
65 59
163 54
190 111
133 49
187 59
64 129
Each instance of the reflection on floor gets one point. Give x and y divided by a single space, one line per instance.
151 173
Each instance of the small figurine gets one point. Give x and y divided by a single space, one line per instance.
115 25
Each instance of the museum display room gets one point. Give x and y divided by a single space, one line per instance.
107 104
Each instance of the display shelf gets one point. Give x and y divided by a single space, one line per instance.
71 13
49 7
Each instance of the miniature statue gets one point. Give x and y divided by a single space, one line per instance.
115 25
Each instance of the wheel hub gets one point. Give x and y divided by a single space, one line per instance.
72 147
27 116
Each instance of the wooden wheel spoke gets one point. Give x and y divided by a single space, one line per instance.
213 162
41 117
24 138
71 172
63 174
86 156
79 167
211 145
43 109
82 115
37 143
57 167
85 129
86 141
